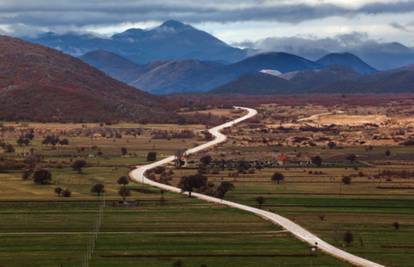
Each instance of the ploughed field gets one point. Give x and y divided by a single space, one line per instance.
40 228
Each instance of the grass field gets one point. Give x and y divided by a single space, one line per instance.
317 199
39 228
153 234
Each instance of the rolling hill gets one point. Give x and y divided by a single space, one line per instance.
114 65
296 82
282 62
399 80
347 60
42 84
183 76
257 84
334 79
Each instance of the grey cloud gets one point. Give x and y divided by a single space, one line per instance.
314 48
52 13
401 27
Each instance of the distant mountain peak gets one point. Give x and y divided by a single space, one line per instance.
174 24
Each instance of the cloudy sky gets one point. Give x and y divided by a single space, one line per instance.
234 21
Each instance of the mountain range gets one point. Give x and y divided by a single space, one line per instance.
184 76
334 79
177 58
42 84
172 40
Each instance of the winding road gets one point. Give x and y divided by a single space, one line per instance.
138 175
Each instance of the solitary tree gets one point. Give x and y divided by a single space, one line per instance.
177 263
316 160
346 180
123 180
260 200
58 191
396 225
351 157
152 156
98 189
331 145
42 177
348 237
387 153
124 193
223 188
66 193
189 183
206 160
278 177
78 165
162 199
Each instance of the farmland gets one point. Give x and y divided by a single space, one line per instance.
39 227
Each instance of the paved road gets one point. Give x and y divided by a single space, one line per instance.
301 233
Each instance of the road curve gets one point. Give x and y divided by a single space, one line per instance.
138 175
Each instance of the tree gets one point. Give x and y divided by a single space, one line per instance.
123 180
278 177
98 189
23 141
124 193
26 174
8 148
66 193
177 263
223 188
189 183
50 140
58 191
351 157
64 142
206 160
346 180
42 177
316 160
260 200
396 225
387 153
331 145
162 199
124 151
152 156
78 165
348 237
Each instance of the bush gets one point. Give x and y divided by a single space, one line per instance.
348 237
42 177
78 165
346 180
66 193
152 156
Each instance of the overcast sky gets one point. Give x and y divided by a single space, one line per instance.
233 21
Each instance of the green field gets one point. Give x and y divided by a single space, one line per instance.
39 228
317 199
151 234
